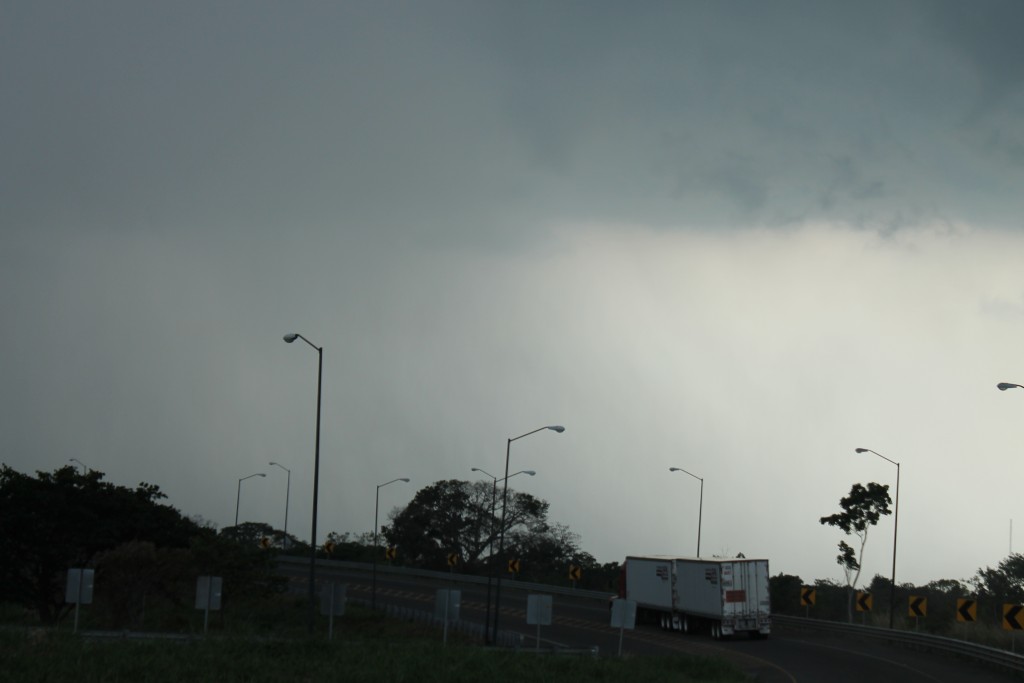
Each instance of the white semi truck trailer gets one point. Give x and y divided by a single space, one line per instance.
721 596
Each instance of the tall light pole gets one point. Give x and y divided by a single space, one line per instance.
289 338
895 530
287 495
373 595
501 529
238 496
1003 386
85 470
490 574
700 507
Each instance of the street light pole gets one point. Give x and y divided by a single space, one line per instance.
895 530
490 574
501 529
376 507
287 495
289 338
238 496
700 507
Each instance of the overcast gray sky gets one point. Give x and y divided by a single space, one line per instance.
740 238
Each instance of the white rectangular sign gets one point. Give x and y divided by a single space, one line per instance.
538 610
624 613
79 586
332 599
208 592
447 604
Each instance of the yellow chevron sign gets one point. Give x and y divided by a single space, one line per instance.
1013 620
966 610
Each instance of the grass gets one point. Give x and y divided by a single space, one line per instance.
367 647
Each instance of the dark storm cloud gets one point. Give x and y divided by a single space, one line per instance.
461 121
494 215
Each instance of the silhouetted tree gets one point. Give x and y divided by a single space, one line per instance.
1005 583
63 519
454 516
137 576
784 590
249 533
861 510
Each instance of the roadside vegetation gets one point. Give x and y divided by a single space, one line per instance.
938 603
365 647
147 557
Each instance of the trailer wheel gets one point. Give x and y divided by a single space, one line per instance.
687 626
716 630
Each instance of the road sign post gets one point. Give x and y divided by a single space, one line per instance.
623 616
79 589
538 611
208 592
575 572
917 607
446 608
864 604
808 597
332 602
1013 621
966 612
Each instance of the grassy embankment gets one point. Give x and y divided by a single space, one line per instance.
366 647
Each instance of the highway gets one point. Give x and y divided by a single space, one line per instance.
790 655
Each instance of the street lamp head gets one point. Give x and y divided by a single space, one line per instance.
1003 386
291 337
862 450
674 469
405 479
557 428
485 472
530 472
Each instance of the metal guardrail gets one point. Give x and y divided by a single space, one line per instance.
507 639
980 653
506 584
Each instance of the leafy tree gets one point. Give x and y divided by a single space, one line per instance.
1005 583
861 510
947 587
603 576
249 533
64 519
255 532
353 547
547 551
454 516
784 590
137 576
